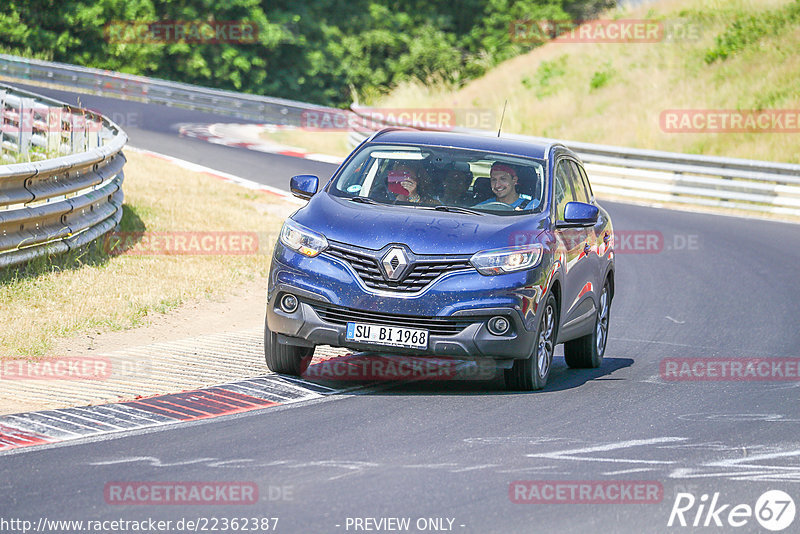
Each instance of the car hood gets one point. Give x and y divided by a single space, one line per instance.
423 231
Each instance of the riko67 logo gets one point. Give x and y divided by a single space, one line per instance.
774 510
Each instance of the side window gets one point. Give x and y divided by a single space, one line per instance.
586 183
562 189
581 192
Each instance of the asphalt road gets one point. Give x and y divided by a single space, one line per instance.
155 127
718 286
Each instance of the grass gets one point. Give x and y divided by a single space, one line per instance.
333 143
740 54
748 29
34 154
601 77
90 290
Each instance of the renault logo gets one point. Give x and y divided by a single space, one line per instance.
394 263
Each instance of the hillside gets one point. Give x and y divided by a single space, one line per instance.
741 55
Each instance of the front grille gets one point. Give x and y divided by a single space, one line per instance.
424 270
444 326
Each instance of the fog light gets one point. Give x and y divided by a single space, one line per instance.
499 325
289 303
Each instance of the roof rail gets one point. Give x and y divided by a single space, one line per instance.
384 130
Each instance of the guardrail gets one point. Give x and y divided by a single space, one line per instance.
748 185
102 82
51 206
650 175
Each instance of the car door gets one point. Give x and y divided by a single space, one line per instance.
579 269
583 193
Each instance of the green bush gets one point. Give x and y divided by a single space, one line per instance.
601 77
327 52
547 73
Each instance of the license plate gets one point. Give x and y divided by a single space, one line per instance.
392 336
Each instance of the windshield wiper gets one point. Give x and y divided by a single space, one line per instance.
456 209
363 200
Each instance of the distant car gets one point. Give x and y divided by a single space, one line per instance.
389 258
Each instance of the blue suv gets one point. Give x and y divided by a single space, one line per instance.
443 244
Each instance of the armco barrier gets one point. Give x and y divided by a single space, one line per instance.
627 173
54 203
102 82
740 184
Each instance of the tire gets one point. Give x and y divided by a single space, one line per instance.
285 359
531 374
587 352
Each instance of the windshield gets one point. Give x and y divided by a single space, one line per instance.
444 176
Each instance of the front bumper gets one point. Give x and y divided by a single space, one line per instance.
311 324
474 341
454 309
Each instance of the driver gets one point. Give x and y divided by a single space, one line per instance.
504 180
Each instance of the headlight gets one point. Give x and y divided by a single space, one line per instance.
301 239
507 260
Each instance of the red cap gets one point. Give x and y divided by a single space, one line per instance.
504 168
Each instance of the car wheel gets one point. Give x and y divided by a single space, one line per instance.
587 352
531 374
285 359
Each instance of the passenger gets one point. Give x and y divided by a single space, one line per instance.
504 181
416 183
456 184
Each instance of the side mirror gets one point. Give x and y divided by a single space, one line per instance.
579 214
304 185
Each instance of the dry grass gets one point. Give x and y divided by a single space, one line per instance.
550 91
92 291
331 143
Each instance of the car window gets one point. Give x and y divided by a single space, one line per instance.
562 187
581 193
426 176
586 183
